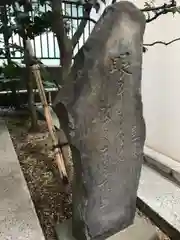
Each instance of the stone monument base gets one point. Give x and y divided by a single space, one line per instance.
140 230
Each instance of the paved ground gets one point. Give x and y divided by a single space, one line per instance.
18 219
166 165
162 195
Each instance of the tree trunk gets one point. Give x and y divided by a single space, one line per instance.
64 43
31 103
28 58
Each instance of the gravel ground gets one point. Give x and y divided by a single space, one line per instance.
51 201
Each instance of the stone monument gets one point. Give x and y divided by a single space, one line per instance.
103 99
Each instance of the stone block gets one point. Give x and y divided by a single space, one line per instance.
139 230
103 98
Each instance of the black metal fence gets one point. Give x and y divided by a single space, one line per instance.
45 46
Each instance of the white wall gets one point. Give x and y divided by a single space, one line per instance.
161 85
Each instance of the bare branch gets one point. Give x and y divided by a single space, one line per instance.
81 27
79 18
164 6
158 14
14 45
159 10
161 42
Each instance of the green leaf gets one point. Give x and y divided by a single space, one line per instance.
23 19
8 31
2 53
13 53
2 29
41 24
1 71
145 49
6 80
25 3
42 2
178 9
11 70
96 6
49 84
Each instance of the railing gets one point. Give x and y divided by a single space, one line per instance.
45 46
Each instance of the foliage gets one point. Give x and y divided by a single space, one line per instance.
48 82
28 25
10 76
11 70
40 21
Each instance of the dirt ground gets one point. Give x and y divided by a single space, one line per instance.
36 158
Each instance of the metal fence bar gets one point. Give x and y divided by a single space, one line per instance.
41 44
47 36
77 25
34 42
54 46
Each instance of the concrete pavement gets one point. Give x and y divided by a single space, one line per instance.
18 219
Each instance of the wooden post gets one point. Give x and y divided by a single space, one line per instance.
57 151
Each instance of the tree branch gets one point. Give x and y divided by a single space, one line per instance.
160 10
79 18
163 6
81 27
158 14
59 30
161 42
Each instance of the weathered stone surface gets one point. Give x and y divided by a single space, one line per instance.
104 101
